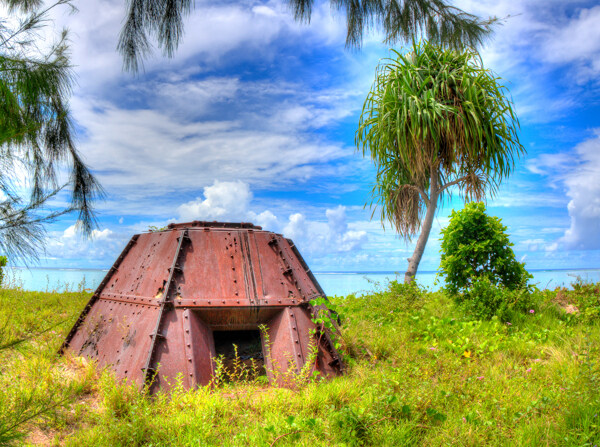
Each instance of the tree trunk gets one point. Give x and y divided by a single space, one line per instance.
413 261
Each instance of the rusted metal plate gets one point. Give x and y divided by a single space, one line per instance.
116 335
145 269
213 267
153 316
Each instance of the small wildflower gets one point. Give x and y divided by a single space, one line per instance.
480 378
464 419
532 311
508 323
528 370
537 360
433 348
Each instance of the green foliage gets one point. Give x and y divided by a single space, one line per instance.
408 295
475 246
435 116
434 119
36 132
437 20
3 261
154 228
484 300
586 297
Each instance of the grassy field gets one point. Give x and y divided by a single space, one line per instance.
419 373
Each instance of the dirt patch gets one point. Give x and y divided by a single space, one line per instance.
562 301
38 436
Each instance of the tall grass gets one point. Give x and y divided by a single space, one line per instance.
419 373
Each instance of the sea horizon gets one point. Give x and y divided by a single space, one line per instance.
334 283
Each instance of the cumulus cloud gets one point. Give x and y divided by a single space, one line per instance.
578 172
576 41
584 191
232 201
222 201
71 248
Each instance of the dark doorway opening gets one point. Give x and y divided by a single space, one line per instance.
245 364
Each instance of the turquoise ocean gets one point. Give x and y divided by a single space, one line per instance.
333 283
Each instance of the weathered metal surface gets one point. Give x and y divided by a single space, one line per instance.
153 316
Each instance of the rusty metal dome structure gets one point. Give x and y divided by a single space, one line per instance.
171 295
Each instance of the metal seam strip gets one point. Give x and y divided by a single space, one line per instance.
260 270
306 269
251 284
187 340
295 338
244 266
165 299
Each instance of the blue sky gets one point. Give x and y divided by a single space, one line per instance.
254 120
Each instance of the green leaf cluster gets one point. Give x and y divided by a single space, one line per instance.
476 246
3 261
161 22
37 134
435 118
479 264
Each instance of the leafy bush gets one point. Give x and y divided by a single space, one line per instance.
484 300
586 297
407 295
476 245
3 262
481 270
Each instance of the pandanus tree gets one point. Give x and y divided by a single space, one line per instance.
435 121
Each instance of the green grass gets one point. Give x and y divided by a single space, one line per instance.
419 373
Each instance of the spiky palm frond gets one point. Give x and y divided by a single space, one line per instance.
37 134
438 114
400 20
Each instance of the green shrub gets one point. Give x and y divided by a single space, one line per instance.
475 245
407 295
586 297
479 264
3 262
483 300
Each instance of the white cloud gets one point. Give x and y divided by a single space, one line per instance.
540 45
223 201
70 247
145 153
232 201
340 237
576 41
583 183
579 172
101 234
